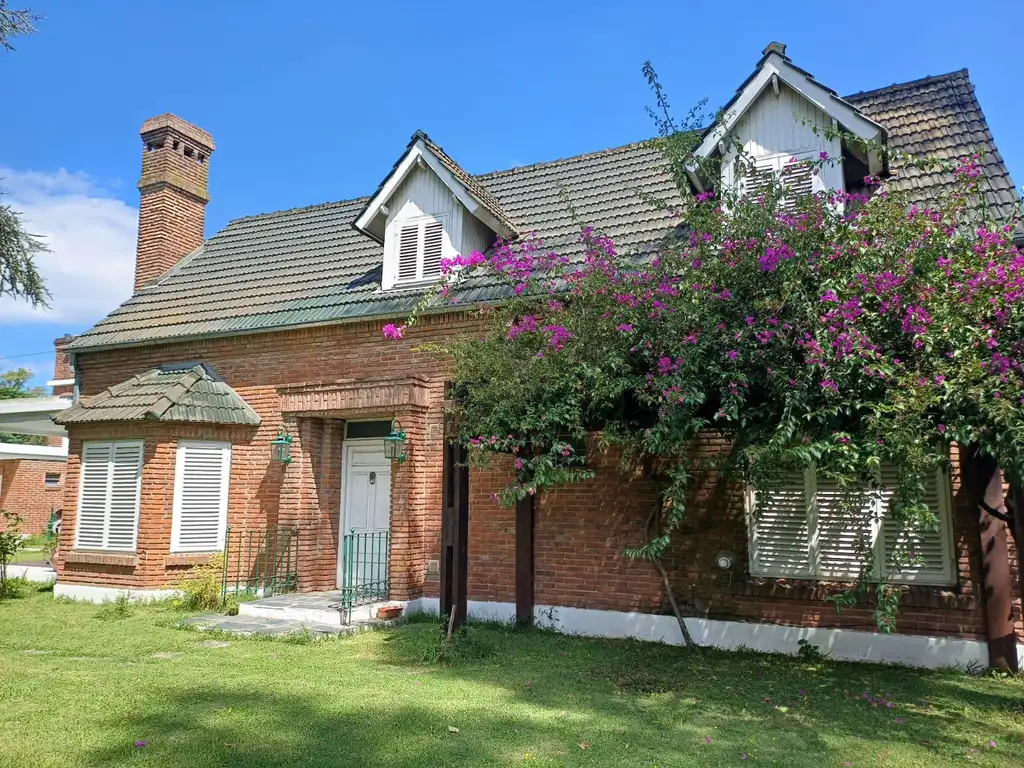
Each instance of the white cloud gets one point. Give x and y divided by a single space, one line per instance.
90 268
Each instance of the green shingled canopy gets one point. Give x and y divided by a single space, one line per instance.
183 392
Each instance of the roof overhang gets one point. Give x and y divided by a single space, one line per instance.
14 451
374 215
33 416
773 69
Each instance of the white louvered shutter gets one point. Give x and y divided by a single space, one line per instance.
780 541
92 503
757 183
845 537
108 507
932 550
408 250
201 480
433 246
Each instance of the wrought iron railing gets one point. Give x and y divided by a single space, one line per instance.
365 570
262 561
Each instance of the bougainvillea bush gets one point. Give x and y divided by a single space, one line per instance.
839 330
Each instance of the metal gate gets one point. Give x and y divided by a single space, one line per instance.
263 561
365 569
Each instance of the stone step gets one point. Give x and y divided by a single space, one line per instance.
313 608
258 625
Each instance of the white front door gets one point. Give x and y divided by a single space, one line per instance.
365 510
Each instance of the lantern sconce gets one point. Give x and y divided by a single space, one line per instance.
281 447
394 443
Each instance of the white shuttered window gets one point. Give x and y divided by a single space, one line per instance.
201 478
803 533
421 244
108 502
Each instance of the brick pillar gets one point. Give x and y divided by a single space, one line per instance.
173 194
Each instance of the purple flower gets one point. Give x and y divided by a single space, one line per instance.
941 428
823 155
732 354
624 328
393 332
829 384
140 743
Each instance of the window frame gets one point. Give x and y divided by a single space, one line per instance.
421 221
46 480
105 547
944 513
225 492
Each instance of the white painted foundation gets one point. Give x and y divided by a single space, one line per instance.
92 594
839 644
36 573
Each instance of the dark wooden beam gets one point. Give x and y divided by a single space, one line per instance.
525 522
454 532
986 483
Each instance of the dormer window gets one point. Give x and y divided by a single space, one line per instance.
420 243
795 173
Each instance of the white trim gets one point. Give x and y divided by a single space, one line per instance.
91 594
775 66
61 383
416 154
840 644
346 445
34 452
225 488
33 415
110 480
34 573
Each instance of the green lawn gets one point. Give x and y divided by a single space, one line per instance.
80 685
29 556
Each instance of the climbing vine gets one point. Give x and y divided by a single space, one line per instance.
837 330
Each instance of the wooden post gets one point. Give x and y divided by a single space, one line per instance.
995 565
454 533
524 559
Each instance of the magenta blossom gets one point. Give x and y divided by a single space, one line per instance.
394 332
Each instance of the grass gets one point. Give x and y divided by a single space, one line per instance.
29 556
81 684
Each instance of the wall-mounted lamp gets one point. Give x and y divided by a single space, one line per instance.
394 443
281 448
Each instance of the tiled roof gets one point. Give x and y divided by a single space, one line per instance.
185 392
308 266
940 117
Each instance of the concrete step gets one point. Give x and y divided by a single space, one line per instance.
256 625
311 608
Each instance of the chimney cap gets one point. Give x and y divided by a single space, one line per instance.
171 122
774 47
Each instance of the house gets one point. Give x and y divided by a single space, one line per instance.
244 399
32 476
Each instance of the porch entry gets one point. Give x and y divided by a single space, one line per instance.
365 535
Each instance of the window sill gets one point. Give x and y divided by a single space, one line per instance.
412 285
914 595
94 557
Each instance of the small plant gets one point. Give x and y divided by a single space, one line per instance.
809 652
460 646
201 589
10 543
120 607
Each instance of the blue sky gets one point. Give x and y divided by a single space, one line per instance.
313 101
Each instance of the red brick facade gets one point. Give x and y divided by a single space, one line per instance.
310 381
23 486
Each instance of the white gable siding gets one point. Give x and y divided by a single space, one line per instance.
774 127
476 236
420 195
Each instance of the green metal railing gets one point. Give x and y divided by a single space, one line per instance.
262 561
365 568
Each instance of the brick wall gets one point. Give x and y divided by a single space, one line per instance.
23 490
581 530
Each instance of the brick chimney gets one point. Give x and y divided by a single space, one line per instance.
173 194
62 370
